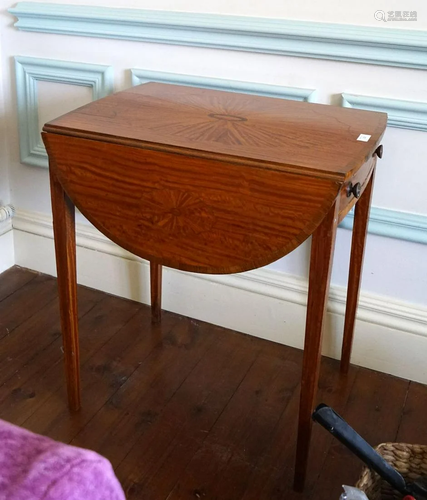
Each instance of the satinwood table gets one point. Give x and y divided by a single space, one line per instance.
214 182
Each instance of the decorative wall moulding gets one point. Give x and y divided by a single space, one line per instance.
361 44
29 71
393 224
298 94
401 114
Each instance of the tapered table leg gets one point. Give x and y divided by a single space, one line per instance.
322 250
360 228
65 248
156 291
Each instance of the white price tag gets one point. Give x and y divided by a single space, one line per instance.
364 137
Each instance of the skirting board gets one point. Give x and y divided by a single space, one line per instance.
7 257
391 336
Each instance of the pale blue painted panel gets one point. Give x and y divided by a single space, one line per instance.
370 45
402 114
394 224
30 70
298 94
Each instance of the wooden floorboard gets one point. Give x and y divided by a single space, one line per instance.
184 409
275 475
221 466
37 336
374 409
13 279
413 428
19 306
97 327
187 419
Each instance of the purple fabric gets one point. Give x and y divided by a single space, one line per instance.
34 467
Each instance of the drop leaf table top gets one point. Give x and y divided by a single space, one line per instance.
248 177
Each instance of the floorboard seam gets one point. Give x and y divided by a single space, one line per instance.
62 358
403 409
216 420
331 439
19 287
171 397
120 387
48 345
28 317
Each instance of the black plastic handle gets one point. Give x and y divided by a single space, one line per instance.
340 429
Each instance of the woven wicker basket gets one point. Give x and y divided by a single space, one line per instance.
409 459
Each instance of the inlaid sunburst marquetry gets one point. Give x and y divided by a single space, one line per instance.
223 121
176 212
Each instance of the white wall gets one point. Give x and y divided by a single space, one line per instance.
394 269
4 160
6 237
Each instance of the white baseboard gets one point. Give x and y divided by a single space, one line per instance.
391 336
7 257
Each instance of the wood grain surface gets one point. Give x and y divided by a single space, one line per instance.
65 248
192 214
277 133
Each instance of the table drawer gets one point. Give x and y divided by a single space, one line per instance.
347 199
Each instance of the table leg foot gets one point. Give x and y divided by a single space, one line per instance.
360 227
322 250
156 291
65 248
